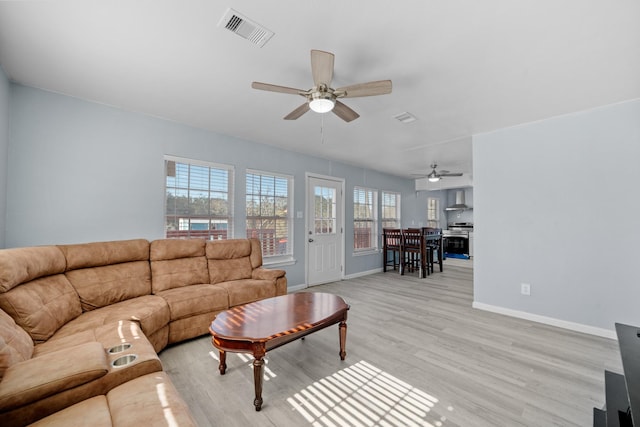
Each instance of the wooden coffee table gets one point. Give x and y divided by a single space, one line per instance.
263 325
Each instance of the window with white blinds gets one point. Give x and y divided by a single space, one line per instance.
433 212
198 199
391 210
269 213
365 219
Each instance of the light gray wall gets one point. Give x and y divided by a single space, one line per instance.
556 205
4 152
81 171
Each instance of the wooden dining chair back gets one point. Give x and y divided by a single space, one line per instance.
413 250
392 245
433 249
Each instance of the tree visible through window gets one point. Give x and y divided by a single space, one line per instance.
391 210
365 219
268 216
198 199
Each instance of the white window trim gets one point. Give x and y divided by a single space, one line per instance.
398 204
376 222
203 163
278 260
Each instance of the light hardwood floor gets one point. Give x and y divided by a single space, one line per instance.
417 354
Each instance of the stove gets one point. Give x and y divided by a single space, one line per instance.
461 229
456 239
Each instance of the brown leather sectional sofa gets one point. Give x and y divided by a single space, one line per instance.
81 325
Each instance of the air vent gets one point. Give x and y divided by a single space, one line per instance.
245 27
405 117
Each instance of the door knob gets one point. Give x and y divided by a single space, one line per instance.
310 240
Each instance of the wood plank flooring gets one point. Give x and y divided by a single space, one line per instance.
417 355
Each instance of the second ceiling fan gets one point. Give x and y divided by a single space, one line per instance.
322 98
435 175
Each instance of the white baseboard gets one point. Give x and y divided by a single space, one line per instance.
578 327
363 273
302 286
297 288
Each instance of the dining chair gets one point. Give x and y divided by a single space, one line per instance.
414 251
392 242
433 243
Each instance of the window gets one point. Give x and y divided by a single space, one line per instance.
365 219
433 212
391 210
198 199
269 210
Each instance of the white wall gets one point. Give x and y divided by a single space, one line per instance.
80 172
4 147
557 205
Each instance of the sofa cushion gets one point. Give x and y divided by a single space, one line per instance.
92 412
150 400
166 249
177 263
110 284
25 264
194 300
151 312
248 290
85 255
108 335
42 306
15 343
228 260
256 253
39 377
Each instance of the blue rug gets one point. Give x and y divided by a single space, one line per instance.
459 256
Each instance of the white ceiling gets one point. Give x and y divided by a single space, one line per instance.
461 67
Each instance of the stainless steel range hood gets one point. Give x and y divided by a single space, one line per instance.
460 204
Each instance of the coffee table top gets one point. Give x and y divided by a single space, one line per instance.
273 318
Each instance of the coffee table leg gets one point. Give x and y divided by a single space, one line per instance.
343 339
222 367
258 363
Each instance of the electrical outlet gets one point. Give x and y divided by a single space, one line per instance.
525 289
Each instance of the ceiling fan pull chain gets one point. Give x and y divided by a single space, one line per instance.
322 129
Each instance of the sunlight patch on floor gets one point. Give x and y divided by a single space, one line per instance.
363 395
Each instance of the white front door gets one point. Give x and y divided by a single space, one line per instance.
325 242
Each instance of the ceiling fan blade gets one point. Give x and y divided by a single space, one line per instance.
450 174
380 87
297 112
276 88
344 112
322 67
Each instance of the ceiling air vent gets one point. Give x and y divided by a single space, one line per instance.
245 27
405 117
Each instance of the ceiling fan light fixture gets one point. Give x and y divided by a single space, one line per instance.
433 177
322 102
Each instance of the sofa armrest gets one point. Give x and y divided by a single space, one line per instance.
34 379
266 274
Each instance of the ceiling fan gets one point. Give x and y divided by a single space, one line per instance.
434 175
322 98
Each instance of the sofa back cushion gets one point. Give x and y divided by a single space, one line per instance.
256 253
110 284
15 343
106 273
177 262
98 254
229 260
21 265
42 306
